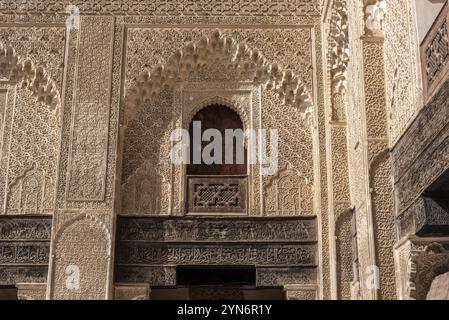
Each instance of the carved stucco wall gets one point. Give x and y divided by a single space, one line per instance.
89 118
88 256
402 66
358 170
147 143
30 128
94 88
341 248
154 120
370 164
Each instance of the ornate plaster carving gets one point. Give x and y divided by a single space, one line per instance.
32 193
338 46
244 8
301 292
142 191
218 48
375 15
82 242
286 192
427 261
27 74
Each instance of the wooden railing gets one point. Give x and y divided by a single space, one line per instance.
435 54
216 194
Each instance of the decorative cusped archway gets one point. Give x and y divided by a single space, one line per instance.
25 73
250 64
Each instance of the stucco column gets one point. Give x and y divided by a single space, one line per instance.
81 262
378 279
340 213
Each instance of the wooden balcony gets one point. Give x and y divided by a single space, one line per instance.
435 54
217 194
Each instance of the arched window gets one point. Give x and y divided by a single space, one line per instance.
220 118
217 170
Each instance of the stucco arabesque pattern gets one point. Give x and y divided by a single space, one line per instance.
27 74
251 64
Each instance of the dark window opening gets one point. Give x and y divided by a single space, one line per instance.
195 276
220 118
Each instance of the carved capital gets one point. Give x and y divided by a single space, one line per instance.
374 17
338 54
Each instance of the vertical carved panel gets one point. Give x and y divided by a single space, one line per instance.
402 74
3 102
81 238
340 199
88 154
344 253
29 129
8 96
381 227
437 54
81 249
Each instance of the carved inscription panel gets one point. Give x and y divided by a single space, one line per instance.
284 250
24 249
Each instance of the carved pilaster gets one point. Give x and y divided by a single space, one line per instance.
81 248
380 220
338 175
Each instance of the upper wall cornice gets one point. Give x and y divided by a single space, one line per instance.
167 8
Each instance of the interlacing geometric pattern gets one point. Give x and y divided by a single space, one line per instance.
217 194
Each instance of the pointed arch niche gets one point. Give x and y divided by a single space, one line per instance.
30 124
215 70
